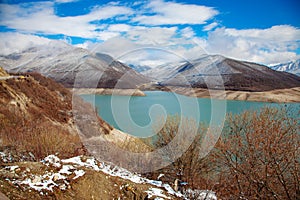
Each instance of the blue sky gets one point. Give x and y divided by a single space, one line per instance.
265 31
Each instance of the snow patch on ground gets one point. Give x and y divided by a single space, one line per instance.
43 182
52 160
88 163
156 192
79 173
12 168
67 170
200 194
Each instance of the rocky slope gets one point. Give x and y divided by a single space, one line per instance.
80 177
291 67
73 67
214 72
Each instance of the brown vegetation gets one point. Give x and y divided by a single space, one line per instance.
190 167
35 116
257 157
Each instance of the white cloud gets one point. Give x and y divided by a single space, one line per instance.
16 42
271 45
211 26
65 1
105 35
175 13
40 18
119 27
187 32
115 46
152 36
275 33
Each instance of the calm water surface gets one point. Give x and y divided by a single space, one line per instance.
137 115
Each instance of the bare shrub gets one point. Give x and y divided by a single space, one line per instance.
258 156
39 138
190 167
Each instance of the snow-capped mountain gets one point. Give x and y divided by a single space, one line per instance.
68 64
291 67
215 71
139 68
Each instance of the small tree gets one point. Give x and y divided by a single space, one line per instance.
190 167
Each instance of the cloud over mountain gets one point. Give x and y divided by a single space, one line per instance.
184 29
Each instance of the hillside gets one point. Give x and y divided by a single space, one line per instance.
73 67
37 106
37 119
214 72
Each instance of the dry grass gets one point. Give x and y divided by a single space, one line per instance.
41 140
35 116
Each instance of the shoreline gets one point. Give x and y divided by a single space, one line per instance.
291 95
108 91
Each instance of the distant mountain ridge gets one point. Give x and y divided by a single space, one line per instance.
215 72
80 68
73 67
291 67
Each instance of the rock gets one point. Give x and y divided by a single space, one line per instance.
83 158
62 187
55 177
37 179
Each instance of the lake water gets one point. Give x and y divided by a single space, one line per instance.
137 115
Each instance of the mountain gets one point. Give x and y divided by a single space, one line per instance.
214 71
291 67
139 68
73 67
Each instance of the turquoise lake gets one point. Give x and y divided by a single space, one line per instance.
137 115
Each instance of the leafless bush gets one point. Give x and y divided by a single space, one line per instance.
38 138
190 167
258 156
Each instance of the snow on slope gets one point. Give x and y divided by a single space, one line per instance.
63 62
216 71
291 67
75 167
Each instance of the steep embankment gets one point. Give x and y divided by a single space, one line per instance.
36 115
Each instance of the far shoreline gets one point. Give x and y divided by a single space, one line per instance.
108 91
291 95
